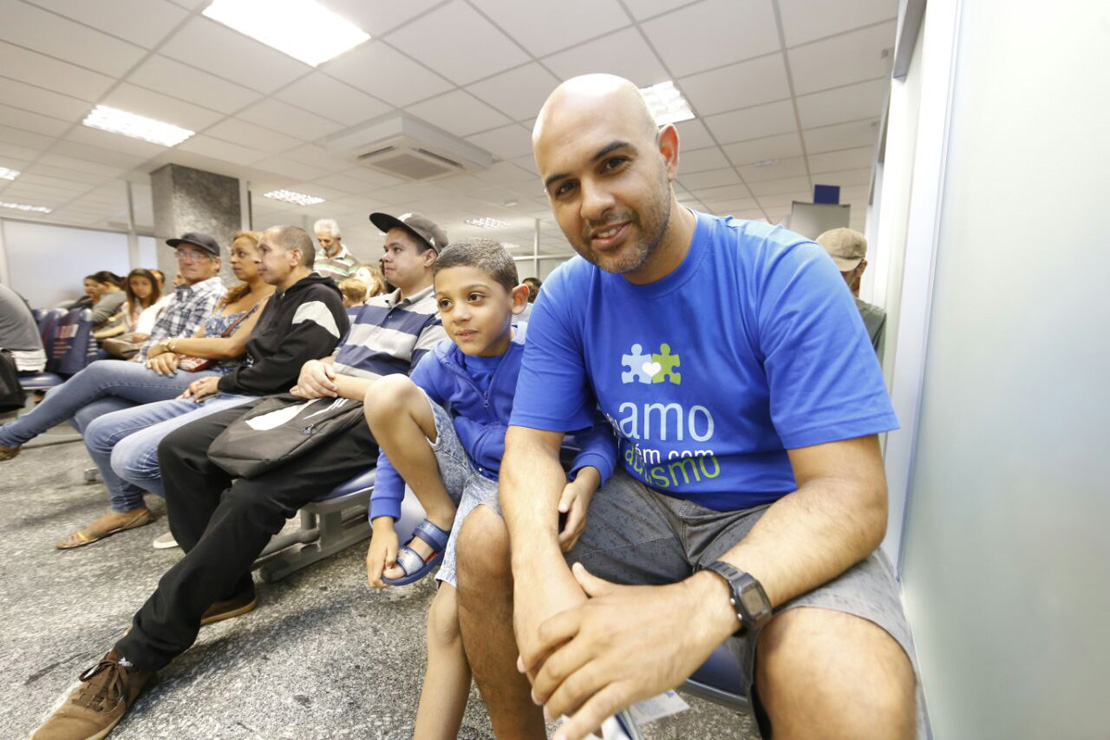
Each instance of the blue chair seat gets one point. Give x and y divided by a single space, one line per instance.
718 680
40 381
360 482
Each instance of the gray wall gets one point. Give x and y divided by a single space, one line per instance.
1006 560
47 264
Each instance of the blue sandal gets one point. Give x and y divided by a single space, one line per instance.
415 566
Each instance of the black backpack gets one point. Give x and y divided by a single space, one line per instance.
12 395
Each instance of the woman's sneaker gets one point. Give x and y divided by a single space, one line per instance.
107 691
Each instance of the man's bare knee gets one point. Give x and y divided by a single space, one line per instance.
483 552
803 658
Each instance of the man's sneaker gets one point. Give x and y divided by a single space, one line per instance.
241 603
7 453
107 691
164 541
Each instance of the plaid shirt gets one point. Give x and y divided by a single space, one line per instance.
339 267
186 313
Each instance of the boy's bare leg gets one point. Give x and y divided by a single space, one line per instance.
447 679
402 422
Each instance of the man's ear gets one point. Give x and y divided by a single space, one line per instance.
430 256
668 149
519 295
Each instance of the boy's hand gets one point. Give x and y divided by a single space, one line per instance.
574 502
383 551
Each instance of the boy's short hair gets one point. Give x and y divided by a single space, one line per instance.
487 255
353 289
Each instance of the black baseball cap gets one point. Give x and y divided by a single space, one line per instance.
422 227
197 239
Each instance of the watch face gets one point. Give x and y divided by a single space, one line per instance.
752 600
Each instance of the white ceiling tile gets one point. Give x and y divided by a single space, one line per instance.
543 28
458 43
712 33
737 85
458 112
32 27
693 135
64 174
732 207
37 100
52 74
15 153
289 120
115 142
644 9
290 168
249 135
843 178
319 189
506 142
134 99
722 193
841 136
319 157
805 20
94 154
519 92
760 150
848 103
217 149
504 173
528 164
387 74
624 53
374 178
217 49
709 179
847 159
377 17
777 170
347 185
842 60
786 185
142 22
55 183
753 123
31 122
698 160
162 74
333 99
785 200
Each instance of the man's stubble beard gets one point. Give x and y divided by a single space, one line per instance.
632 256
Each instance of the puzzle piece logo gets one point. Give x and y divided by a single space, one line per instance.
654 368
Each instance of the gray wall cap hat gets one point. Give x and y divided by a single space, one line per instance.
197 239
422 227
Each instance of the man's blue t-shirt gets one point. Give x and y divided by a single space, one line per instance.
752 346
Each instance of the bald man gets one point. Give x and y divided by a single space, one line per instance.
733 367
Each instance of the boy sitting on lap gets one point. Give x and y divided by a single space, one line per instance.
442 431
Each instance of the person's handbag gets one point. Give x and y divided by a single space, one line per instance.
121 347
279 429
12 395
194 364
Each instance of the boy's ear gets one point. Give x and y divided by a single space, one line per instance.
520 298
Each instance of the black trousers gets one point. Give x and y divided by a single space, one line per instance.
224 526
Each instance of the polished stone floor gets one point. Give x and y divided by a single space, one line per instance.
322 657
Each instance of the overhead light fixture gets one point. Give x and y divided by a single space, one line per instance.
303 29
666 103
25 207
136 126
290 196
487 223
6 174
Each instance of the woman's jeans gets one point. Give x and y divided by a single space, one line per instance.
102 387
124 444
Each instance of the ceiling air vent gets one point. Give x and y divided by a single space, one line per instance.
408 148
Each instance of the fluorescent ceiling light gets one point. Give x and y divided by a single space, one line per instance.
290 196
135 126
303 29
25 207
6 174
487 223
666 103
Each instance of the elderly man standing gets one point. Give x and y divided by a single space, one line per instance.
747 398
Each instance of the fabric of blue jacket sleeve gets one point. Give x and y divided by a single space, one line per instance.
389 486
598 449
485 442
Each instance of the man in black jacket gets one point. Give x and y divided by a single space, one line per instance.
303 320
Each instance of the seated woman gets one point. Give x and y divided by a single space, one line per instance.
109 299
110 385
144 301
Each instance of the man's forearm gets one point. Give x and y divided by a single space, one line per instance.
531 482
354 388
811 536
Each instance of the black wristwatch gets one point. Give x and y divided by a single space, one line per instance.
748 598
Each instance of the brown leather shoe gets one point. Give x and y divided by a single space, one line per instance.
107 691
239 604
7 453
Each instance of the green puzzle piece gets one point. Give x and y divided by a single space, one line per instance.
668 365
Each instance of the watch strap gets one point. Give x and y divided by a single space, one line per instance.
741 584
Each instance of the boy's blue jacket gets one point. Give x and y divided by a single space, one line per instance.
481 420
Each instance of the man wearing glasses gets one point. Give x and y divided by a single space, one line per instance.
198 263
